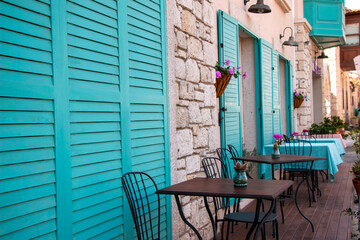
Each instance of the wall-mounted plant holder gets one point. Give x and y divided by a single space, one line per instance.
221 84
298 102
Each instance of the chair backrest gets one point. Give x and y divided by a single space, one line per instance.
140 190
286 138
308 137
215 168
225 156
233 151
297 147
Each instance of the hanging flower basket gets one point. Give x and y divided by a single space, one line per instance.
221 84
298 102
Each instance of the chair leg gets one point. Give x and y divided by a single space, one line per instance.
308 190
228 230
277 229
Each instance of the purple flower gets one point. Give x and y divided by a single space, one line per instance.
277 136
244 75
295 133
305 130
231 71
227 62
222 67
304 98
218 74
297 94
234 68
239 67
294 90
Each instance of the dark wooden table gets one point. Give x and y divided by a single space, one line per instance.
220 187
285 158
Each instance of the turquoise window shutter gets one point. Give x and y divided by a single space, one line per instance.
289 98
83 98
270 120
230 101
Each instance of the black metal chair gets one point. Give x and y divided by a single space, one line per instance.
140 190
235 153
216 168
300 169
225 155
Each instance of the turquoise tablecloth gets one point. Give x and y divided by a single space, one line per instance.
336 141
327 150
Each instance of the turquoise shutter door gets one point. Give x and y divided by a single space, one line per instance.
266 100
230 101
148 98
289 98
276 94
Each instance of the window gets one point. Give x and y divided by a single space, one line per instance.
352 34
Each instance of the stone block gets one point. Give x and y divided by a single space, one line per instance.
193 164
210 56
183 103
205 74
300 56
192 71
188 22
194 112
184 200
304 120
182 117
210 95
195 49
180 163
206 116
196 130
301 75
202 139
214 139
188 4
198 10
200 30
199 96
181 38
187 210
186 91
185 142
181 53
208 14
180 70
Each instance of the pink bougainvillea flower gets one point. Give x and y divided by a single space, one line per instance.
294 90
234 68
222 67
297 94
227 62
218 74
239 67
231 71
244 75
305 130
295 133
277 136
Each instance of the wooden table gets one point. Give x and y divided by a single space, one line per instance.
221 187
285 158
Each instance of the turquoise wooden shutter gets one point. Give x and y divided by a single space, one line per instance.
289 98
83 98
276 94
266 85
95 118
27 130
148 97
230 101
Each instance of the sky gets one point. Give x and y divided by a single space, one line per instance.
352 4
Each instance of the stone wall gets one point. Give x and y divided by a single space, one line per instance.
194 132
304 56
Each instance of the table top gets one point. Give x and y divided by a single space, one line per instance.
284 158
224 187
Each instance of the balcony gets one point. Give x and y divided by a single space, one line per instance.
327 20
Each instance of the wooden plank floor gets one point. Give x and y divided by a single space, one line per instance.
326 214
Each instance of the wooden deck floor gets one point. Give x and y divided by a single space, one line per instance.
326 214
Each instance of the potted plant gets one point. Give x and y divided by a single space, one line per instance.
240 178
306 132
224 74
299 97
276 151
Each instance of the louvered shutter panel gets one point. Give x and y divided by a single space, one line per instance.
73 95
96 161
147 87
276 94
266 85
229 47
290 97
27 154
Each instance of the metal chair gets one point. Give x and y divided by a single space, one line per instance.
225 155
140 190
298 147
234 153
216 168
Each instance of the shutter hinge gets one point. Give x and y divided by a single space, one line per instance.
221 45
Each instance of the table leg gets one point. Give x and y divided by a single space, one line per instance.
211 217
296 193
184 218
272 172
261 224
256 220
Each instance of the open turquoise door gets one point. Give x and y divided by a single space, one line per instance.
230 115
